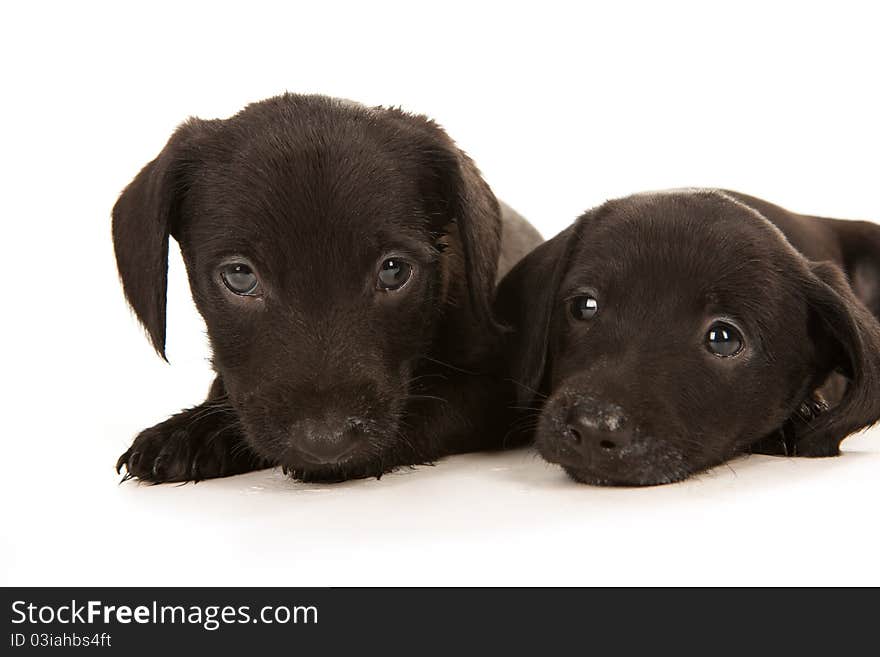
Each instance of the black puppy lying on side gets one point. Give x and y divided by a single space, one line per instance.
344 259
665 333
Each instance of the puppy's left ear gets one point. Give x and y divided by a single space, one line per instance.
460 202
472 207
848 336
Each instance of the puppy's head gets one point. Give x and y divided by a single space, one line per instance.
665 333
325 243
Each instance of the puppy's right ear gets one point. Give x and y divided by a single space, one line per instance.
144 216
525 302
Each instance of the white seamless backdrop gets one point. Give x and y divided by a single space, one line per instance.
562 105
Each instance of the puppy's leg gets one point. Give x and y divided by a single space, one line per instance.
202 442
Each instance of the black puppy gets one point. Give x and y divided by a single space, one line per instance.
665 333
344 259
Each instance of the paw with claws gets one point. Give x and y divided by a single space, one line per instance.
788 442
200 443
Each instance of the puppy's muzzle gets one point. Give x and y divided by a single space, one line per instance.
599 442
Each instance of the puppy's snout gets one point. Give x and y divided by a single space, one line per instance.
328 440
596 427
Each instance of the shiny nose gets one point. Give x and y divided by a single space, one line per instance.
326 441
597 428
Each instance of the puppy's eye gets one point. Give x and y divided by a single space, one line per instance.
394 273
240 278
583 307
724 340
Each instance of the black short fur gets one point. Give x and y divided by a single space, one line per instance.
633 396
322 372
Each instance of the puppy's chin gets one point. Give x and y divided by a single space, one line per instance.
331 473
585 476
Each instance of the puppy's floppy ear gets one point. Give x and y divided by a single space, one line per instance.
848 336
525 302
860 244
472 207
144 216
458 195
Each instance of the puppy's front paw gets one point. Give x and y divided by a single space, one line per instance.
200 443
789 440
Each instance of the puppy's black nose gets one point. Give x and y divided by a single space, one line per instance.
325 441
592 427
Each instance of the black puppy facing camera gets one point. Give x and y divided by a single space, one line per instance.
344 259
664 333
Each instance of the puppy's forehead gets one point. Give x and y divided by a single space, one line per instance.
312 176
328 186
695 242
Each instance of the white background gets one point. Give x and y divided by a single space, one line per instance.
561 108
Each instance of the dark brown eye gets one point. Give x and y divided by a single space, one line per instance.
724 340
394 273
583 307
240 278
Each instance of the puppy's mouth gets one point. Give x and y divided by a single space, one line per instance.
364 454
654 470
